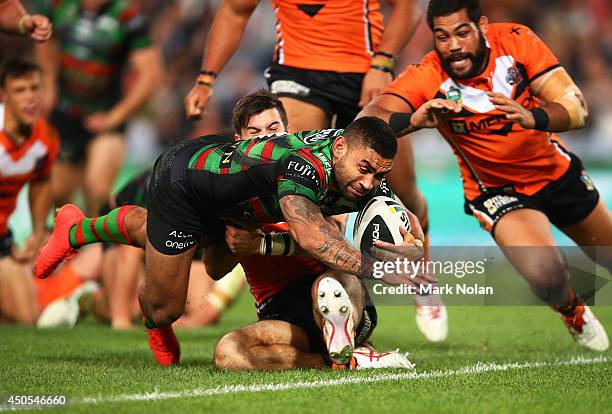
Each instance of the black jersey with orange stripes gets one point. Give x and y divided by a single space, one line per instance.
491 150
331 35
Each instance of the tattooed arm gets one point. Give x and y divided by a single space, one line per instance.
318 237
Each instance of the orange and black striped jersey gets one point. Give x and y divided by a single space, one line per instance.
491 150
269 275
332 35
20 164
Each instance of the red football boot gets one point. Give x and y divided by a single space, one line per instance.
58 248
165 345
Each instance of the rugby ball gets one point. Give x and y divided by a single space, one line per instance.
380 219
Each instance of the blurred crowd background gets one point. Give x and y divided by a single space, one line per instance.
579 32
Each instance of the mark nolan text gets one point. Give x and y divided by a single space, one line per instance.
458 289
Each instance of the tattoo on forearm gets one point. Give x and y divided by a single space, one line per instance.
331 248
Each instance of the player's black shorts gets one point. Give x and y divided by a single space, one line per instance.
294 305
567 201
73 135
6 243
175 223
337 93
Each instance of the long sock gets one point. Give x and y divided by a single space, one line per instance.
109 228
570 308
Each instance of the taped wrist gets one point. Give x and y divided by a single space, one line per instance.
276 244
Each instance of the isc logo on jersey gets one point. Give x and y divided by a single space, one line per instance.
380 219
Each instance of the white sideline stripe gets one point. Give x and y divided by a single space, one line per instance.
478 368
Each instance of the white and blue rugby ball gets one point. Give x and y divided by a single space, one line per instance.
380 219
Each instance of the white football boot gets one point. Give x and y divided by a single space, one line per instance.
367 357
586 329
335 307
431 317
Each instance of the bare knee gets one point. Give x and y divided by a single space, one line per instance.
549 282
228 354
136 226
160 312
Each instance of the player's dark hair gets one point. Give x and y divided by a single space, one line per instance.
253 104
17 68
374 133
437 8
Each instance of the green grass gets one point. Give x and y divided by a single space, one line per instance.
91 360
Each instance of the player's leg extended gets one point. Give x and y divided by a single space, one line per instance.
162 299
164 292
123 225
541 265
266 345
338 301
594 235
104 159
304 116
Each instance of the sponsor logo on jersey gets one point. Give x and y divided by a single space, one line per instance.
513 76
497 202
485 123
317 136
179 240
588 182
287 86
454 94
303 173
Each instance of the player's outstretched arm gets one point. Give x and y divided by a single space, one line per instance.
400 26
563 107
318 237
400 117
223 39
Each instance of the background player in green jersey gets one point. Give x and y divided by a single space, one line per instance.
95 41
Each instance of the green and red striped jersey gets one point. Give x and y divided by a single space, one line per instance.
244 180
94 51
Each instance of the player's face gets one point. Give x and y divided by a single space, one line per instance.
264 123
358 170
460 44
22 96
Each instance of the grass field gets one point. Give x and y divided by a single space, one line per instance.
495 360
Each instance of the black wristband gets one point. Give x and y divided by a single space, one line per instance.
541 119
204 83
209 73
385 54
382 68
400 121
268 239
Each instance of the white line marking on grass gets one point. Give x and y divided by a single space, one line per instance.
478 368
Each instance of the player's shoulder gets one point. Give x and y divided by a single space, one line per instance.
427 73
510 34
317 137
